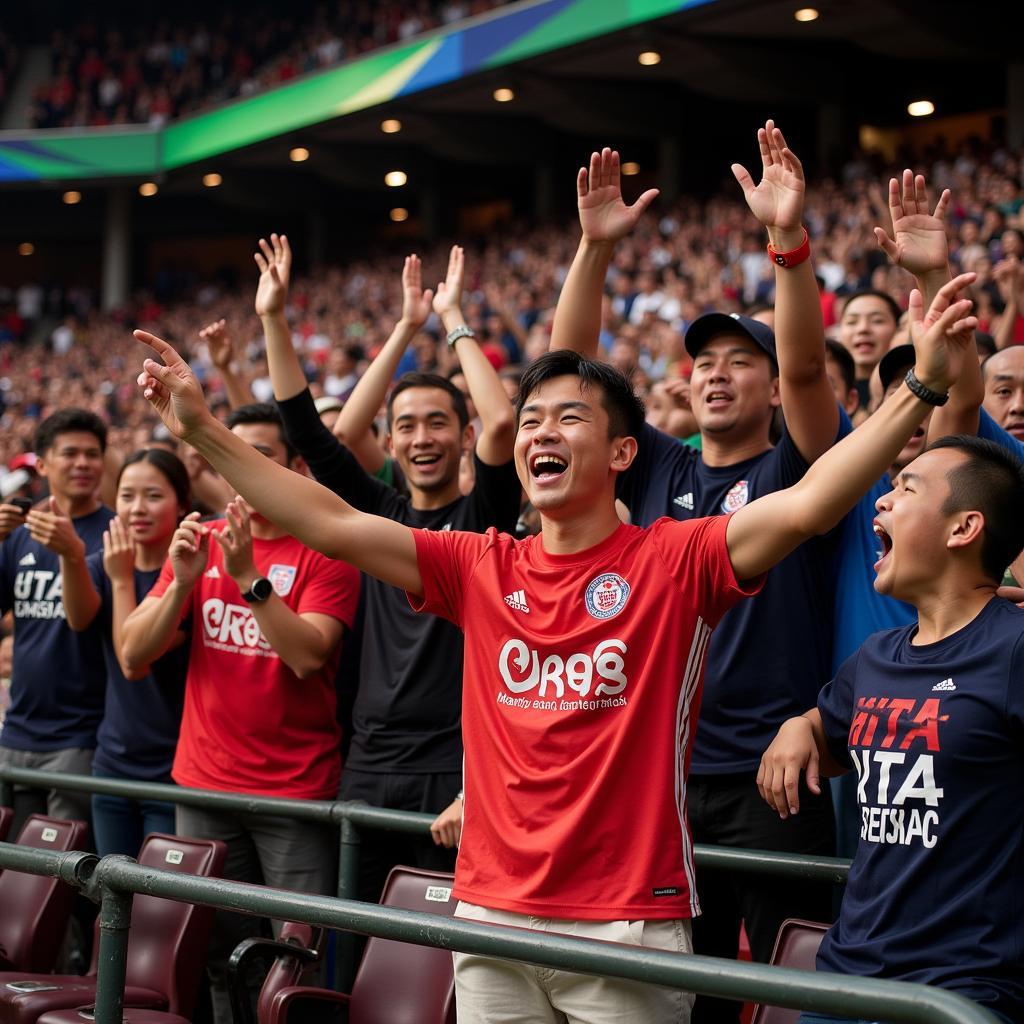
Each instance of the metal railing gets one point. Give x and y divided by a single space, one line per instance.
113 880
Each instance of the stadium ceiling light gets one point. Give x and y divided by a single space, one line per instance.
398 214
26 249
390 125
631 167
504 95
395 179
806 14
299 155
212 180
920 108
649 58
148 188
71 198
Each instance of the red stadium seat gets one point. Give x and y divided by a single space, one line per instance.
166 946
34 909
128 1016
796 946
6 816
396 981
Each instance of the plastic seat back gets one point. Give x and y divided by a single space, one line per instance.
168 940
6 817
398 981
287 971
795 946
34 909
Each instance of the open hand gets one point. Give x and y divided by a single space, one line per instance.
918 243
941 335
118 551
235 542
172 389
54 530
219 343
778 200
448 297
275 263
416 303
604 216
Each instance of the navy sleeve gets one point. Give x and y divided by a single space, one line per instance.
991 431
496 495
835 705
655 450
5 577
330 462
1015 694
101 581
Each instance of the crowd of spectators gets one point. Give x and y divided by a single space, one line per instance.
151 72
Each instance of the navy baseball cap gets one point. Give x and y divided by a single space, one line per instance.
711 325
895 363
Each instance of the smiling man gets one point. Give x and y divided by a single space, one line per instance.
580 693
931 718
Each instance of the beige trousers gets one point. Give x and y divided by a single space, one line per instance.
490 991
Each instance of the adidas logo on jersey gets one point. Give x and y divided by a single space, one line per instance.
212 573
28 559
517 600
685 501
946 686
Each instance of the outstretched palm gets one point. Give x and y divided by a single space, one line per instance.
604 216
172 389
919 242
275 263
778 200
416 303
942 334
448 296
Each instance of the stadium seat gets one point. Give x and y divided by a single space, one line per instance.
34 909
796 946
396 981
6 816
85 1014
166 946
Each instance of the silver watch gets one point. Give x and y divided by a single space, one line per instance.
462 331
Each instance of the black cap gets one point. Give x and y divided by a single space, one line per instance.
894 364
711 325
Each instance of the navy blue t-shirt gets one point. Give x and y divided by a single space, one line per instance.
770 654
58 675
936 735
141 718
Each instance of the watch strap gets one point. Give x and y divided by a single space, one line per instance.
462 331
259 590
794 257
924 392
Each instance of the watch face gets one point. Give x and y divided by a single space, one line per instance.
261 588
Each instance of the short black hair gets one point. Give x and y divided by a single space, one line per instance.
625 410
170 465
860 293
261 412
991 480
415 379
66 421
840 355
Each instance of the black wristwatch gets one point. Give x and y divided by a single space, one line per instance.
259 590
925 393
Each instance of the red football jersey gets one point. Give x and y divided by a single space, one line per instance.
250 725
581 688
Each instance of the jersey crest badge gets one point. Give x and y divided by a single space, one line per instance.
738 496
606 595
282 577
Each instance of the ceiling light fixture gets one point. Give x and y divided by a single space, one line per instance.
390 125
395 179
72 198
212 180
504 95
148 188
806 14
649 58
920 108
630 168
299 155
26 249
398 214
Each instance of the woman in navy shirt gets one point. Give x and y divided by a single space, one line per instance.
142 712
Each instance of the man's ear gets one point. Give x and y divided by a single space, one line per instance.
968 527
776 396
624 451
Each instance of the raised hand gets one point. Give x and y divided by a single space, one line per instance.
448 297
189 549
54 530
942 335
778 200
918 241
219 343
11 517
235 541
1009 276
275 263
604 216
118 551
416 303
172 389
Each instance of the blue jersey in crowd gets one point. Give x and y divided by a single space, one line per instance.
936 735
58 677
770 654
141 718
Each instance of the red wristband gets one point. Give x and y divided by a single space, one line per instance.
794 257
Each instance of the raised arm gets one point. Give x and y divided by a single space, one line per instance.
808 402
604 218
304 509
222 354
497 417
275 263
765 531
1009 275
354 423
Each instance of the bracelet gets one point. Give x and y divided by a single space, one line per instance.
462 331
794 257
924 392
